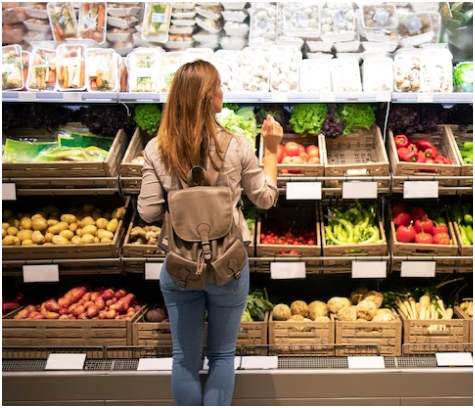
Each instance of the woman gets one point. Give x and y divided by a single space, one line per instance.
187 137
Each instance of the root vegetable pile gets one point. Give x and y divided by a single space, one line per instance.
144 234
467 307
299 311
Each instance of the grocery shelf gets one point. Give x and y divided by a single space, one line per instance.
445 98
60 97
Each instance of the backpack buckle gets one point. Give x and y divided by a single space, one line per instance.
206 246
182 284
233 265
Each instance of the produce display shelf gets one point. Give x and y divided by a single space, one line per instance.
60 97
445 98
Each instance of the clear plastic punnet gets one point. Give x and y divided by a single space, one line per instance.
436 20
407 71
237 16
263 31
156 22
62 19
338 22
378 75
300 19
234 29
436 71
144 70
284 66
169 64
102 70
228 64
379 22
415 29
42 72
255 70
233 43
193 54
12 69
71 67
93 21
315 76
345 75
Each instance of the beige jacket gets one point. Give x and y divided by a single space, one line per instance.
240 171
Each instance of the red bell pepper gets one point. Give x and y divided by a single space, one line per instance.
424 144
421 157
441 160
401 141
430 153
407 155
413 147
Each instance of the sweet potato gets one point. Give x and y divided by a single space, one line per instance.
120 293
64 317
88 304
100 303
52 315
63 311
78 310
31 308
108 294
111 314
92 311
22 314
72 307
52 306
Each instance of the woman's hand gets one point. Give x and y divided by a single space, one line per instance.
272 133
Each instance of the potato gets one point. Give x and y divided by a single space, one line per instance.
56 229
38 238
104 234
59 240
7 214
101 223
106 241
5 225
73 227
49 237
97 240
52 222
118 213
76 240
89 229
87 239
24 235
38 215
12 231
4 233
87 221
39 224
66 234
69 218
13 222
26 223
48 244
27 242
113 224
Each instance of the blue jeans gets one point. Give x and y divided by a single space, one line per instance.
186 311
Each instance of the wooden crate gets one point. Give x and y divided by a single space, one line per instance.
419 339
288 336
362 154
429 250
459 137
31 171
66 333
442 140
139 251
137 144
303 250
386 335
306 170
70 251
464 250
355 250
461 314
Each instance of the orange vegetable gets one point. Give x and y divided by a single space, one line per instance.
101 14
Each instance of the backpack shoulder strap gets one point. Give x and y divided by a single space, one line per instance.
224 140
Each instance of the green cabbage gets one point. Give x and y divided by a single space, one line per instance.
243 122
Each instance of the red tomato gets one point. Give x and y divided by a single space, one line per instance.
406 234
294 252
442 239
301 148
310 242
440 229
424 225
402 219
400 208
304 156
417 213
424 238
313 151
313 160
280 153
292 149
280 241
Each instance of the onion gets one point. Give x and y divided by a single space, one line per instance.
155 315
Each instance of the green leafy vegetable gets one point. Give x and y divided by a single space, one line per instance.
307 119
356 116
242 122
463 77
148 117
233 106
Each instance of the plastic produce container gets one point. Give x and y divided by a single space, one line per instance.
156 22
255 70
319 46
62 19
184 6
71 67
102 70
345 75
436 71
350 46
378 75
40 75
36 11
415 29
211 12
284 65
236 29
122 10
233 43
315 76
263 31
319 55
407 71
300 19
229 64
12 69
236 16
144 70
93 21
379 22
209 25
338 22
169 64
183 14
237 5
436 20
192 54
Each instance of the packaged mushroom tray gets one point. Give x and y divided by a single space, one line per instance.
255 69
436 71
378 74
345 75
338 22
407 70
379 22
263 31
415 29
284 63
300 19
229 64
315 76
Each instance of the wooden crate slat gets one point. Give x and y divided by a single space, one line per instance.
461 314
458 136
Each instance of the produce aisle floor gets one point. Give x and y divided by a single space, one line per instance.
259 388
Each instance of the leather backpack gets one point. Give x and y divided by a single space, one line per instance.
204 244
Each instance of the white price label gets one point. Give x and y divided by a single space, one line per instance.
62 362
155 364
72 97
287 270
8 191
327 97
366 362
418 269
237 361
90 23
153 271
259 362
360 189
71 62
26 97
159 18
454 359
421 189
425 98
304 191
40 273
368 269
62 19
280 97
383 97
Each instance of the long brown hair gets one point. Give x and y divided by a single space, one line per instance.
188 124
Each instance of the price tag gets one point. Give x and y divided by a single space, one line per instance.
159 17
26 97
304 191
421 189
383 97
8 191
425 98
280 97
327 97
237 361
40 273
366 362
153 271
454 359
72 97
259 362
360 189
62 362
287 270
418 269
368 269
155 364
